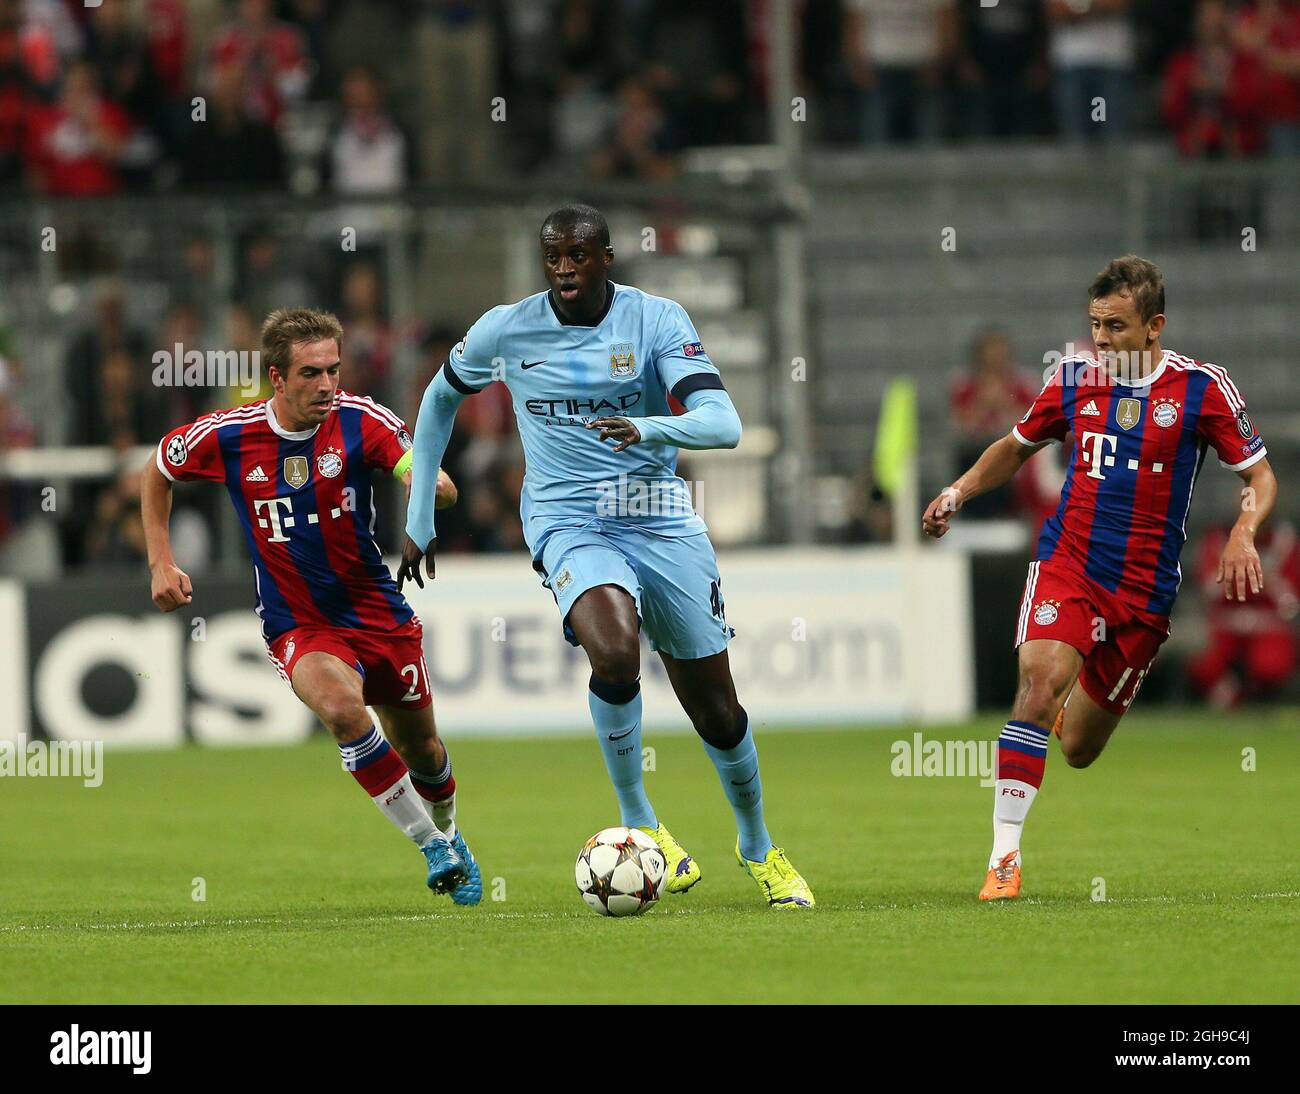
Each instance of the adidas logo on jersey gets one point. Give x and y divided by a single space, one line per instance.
1090 411
256 475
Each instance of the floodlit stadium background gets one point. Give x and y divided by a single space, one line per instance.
856 201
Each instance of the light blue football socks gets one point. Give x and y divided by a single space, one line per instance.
738 771
616 711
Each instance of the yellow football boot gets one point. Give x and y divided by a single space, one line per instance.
781 883
683 870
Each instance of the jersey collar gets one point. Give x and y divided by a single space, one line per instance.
287 434
1152 376
609 303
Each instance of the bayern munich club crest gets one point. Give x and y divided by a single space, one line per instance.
1165 412
1047 613
330 463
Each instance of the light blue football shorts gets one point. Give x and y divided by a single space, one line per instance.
673 580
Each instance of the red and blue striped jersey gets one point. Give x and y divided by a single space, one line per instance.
1137 451
306 505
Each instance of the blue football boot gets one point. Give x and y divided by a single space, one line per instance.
469 891
446 870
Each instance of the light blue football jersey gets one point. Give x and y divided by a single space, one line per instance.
561 376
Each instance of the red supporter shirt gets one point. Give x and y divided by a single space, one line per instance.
1017 393
273 61
1232 123
63 153
1281 91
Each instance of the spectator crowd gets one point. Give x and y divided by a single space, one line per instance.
350 98
150 95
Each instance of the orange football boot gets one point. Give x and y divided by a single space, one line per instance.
1060 721
1003 881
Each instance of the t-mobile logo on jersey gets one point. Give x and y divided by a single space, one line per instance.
279 514
1098 449
271 506
1097 453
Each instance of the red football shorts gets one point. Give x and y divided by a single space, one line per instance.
1118 642
391 663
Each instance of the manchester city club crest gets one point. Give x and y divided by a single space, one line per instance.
1165 412
1128 412
296 471
622 361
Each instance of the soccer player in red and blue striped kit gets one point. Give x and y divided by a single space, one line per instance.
1096 604
298 468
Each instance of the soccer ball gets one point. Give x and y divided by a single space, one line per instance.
620 871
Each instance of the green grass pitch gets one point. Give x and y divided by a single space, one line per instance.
311 895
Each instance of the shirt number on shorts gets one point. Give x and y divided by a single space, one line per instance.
1123 680
715 600
412 695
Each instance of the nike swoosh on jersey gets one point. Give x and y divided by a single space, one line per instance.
532 364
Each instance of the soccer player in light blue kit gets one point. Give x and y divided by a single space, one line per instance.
589 365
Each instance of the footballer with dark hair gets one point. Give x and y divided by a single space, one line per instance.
595 371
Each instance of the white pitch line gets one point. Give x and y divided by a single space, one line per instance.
1199 898
255 921
1202 897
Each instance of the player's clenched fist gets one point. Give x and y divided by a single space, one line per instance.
939 512
171 587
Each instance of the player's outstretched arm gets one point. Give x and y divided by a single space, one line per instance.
1239 564
432 432
170 585
710 421
412 553
1000 461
